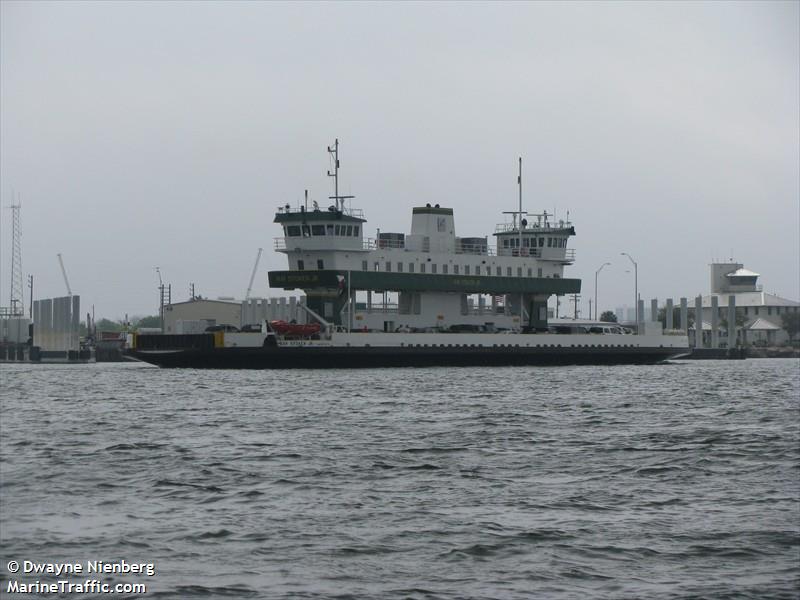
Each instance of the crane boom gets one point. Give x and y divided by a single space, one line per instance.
64 273
253 275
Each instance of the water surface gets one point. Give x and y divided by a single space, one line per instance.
671 481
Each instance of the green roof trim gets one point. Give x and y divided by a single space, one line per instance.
316 216
431 210
422 282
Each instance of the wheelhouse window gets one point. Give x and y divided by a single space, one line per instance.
318 230
355 230
329 229
349 230
293 230
433 268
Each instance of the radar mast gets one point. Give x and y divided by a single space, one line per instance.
339 200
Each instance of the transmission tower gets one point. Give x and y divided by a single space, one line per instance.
17 304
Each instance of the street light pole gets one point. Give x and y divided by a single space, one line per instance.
596 273
636 286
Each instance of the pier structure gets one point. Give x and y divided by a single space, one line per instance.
56 326
684 323
640 324
717 325
668 315
714 322
738 304
737 312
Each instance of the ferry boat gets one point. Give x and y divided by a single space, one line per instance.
454 300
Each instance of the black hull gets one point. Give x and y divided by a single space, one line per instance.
371 357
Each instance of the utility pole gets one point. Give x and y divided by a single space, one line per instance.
160 298
522 295
165 292
30 285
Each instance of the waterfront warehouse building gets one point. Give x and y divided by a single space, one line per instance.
189 316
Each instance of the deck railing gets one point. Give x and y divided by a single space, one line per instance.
350 212
547 226
469 249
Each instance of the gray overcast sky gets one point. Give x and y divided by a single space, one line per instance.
166 134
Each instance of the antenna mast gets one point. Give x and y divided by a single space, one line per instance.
519 181
17 305
339 200
518 222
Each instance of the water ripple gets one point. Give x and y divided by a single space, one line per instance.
672 481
